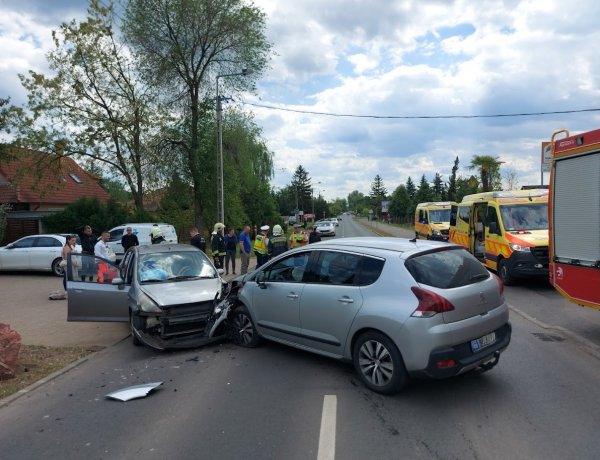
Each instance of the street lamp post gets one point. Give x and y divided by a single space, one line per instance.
312 192
220 193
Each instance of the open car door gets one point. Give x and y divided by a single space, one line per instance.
92 296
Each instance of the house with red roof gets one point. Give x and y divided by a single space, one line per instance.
36 184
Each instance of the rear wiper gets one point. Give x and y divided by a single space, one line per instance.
480 276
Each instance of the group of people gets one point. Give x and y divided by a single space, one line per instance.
224 244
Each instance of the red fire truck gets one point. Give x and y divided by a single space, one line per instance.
574 216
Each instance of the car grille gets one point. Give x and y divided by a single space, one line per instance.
540 253
185 319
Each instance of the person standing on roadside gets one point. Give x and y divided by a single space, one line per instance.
217 245
231 242
277 243
197 239
245 248
88 241
298 237
313 236
67 249
129 239
261 246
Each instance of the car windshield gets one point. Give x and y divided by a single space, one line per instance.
439 215
174 266
532 216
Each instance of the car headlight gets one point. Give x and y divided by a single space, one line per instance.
436 233
518 247
147 305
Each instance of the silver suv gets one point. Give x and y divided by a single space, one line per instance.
394 307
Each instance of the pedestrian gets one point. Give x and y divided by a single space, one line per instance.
197 239
103 252
245 248
313 236
298 237
129 239
231 243
156 236
217 245
261 246
277 243
88 241
68 248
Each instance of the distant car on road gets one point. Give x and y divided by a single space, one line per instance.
394 307
325 228
167 292
35 252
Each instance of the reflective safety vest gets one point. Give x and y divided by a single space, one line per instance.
297 240
260 244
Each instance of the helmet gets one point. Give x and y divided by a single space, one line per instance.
277 230
156 232
219 227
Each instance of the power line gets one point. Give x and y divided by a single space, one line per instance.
418 117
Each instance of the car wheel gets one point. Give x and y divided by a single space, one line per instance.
379 363
134 337
504 273
56 268
243 331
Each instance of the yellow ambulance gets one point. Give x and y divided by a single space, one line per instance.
432 220
506 231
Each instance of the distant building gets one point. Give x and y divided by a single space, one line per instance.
37 184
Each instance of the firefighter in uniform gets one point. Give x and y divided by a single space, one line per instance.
261 246
217 245
277 243
298 237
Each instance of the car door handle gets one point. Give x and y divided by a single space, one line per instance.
346 300
291 295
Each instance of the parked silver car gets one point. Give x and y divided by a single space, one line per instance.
394 307
35 252
167 292
325 228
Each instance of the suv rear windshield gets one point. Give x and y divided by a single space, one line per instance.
446 269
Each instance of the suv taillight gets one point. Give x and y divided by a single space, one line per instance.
430 303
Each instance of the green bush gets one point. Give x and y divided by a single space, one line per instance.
87 211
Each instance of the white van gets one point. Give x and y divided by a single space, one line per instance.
142 231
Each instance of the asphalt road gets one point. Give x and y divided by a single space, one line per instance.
222 402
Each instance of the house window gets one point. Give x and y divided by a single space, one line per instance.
75 178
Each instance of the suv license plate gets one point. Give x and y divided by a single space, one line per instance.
483 342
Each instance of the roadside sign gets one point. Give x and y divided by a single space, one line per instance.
546 157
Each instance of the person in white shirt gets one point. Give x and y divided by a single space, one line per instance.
101 247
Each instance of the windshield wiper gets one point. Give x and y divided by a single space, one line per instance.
184 277
156 280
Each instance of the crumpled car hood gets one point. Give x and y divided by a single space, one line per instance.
181 292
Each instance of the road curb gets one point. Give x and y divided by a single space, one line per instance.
587 345
49 378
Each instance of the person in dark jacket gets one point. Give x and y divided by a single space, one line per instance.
231 242
88 241
313 236
217 245
197 239
129 240
278 242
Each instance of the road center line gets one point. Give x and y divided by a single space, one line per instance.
327 434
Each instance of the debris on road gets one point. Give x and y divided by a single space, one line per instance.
133 392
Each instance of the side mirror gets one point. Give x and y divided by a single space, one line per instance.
10 246
260 280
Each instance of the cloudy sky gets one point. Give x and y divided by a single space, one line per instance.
384 63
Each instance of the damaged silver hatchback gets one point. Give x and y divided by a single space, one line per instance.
167 292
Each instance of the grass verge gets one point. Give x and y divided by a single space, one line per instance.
37 362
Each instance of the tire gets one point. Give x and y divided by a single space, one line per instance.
504 273
134 338
242 329
56 268
379 363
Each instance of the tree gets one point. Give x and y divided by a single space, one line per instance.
511 179
400 204
357 201
439 188
489 171
183 45
377 194
301 185
95 104
411 188
452 182
466 186
424 192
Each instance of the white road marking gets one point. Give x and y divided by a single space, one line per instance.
327 434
